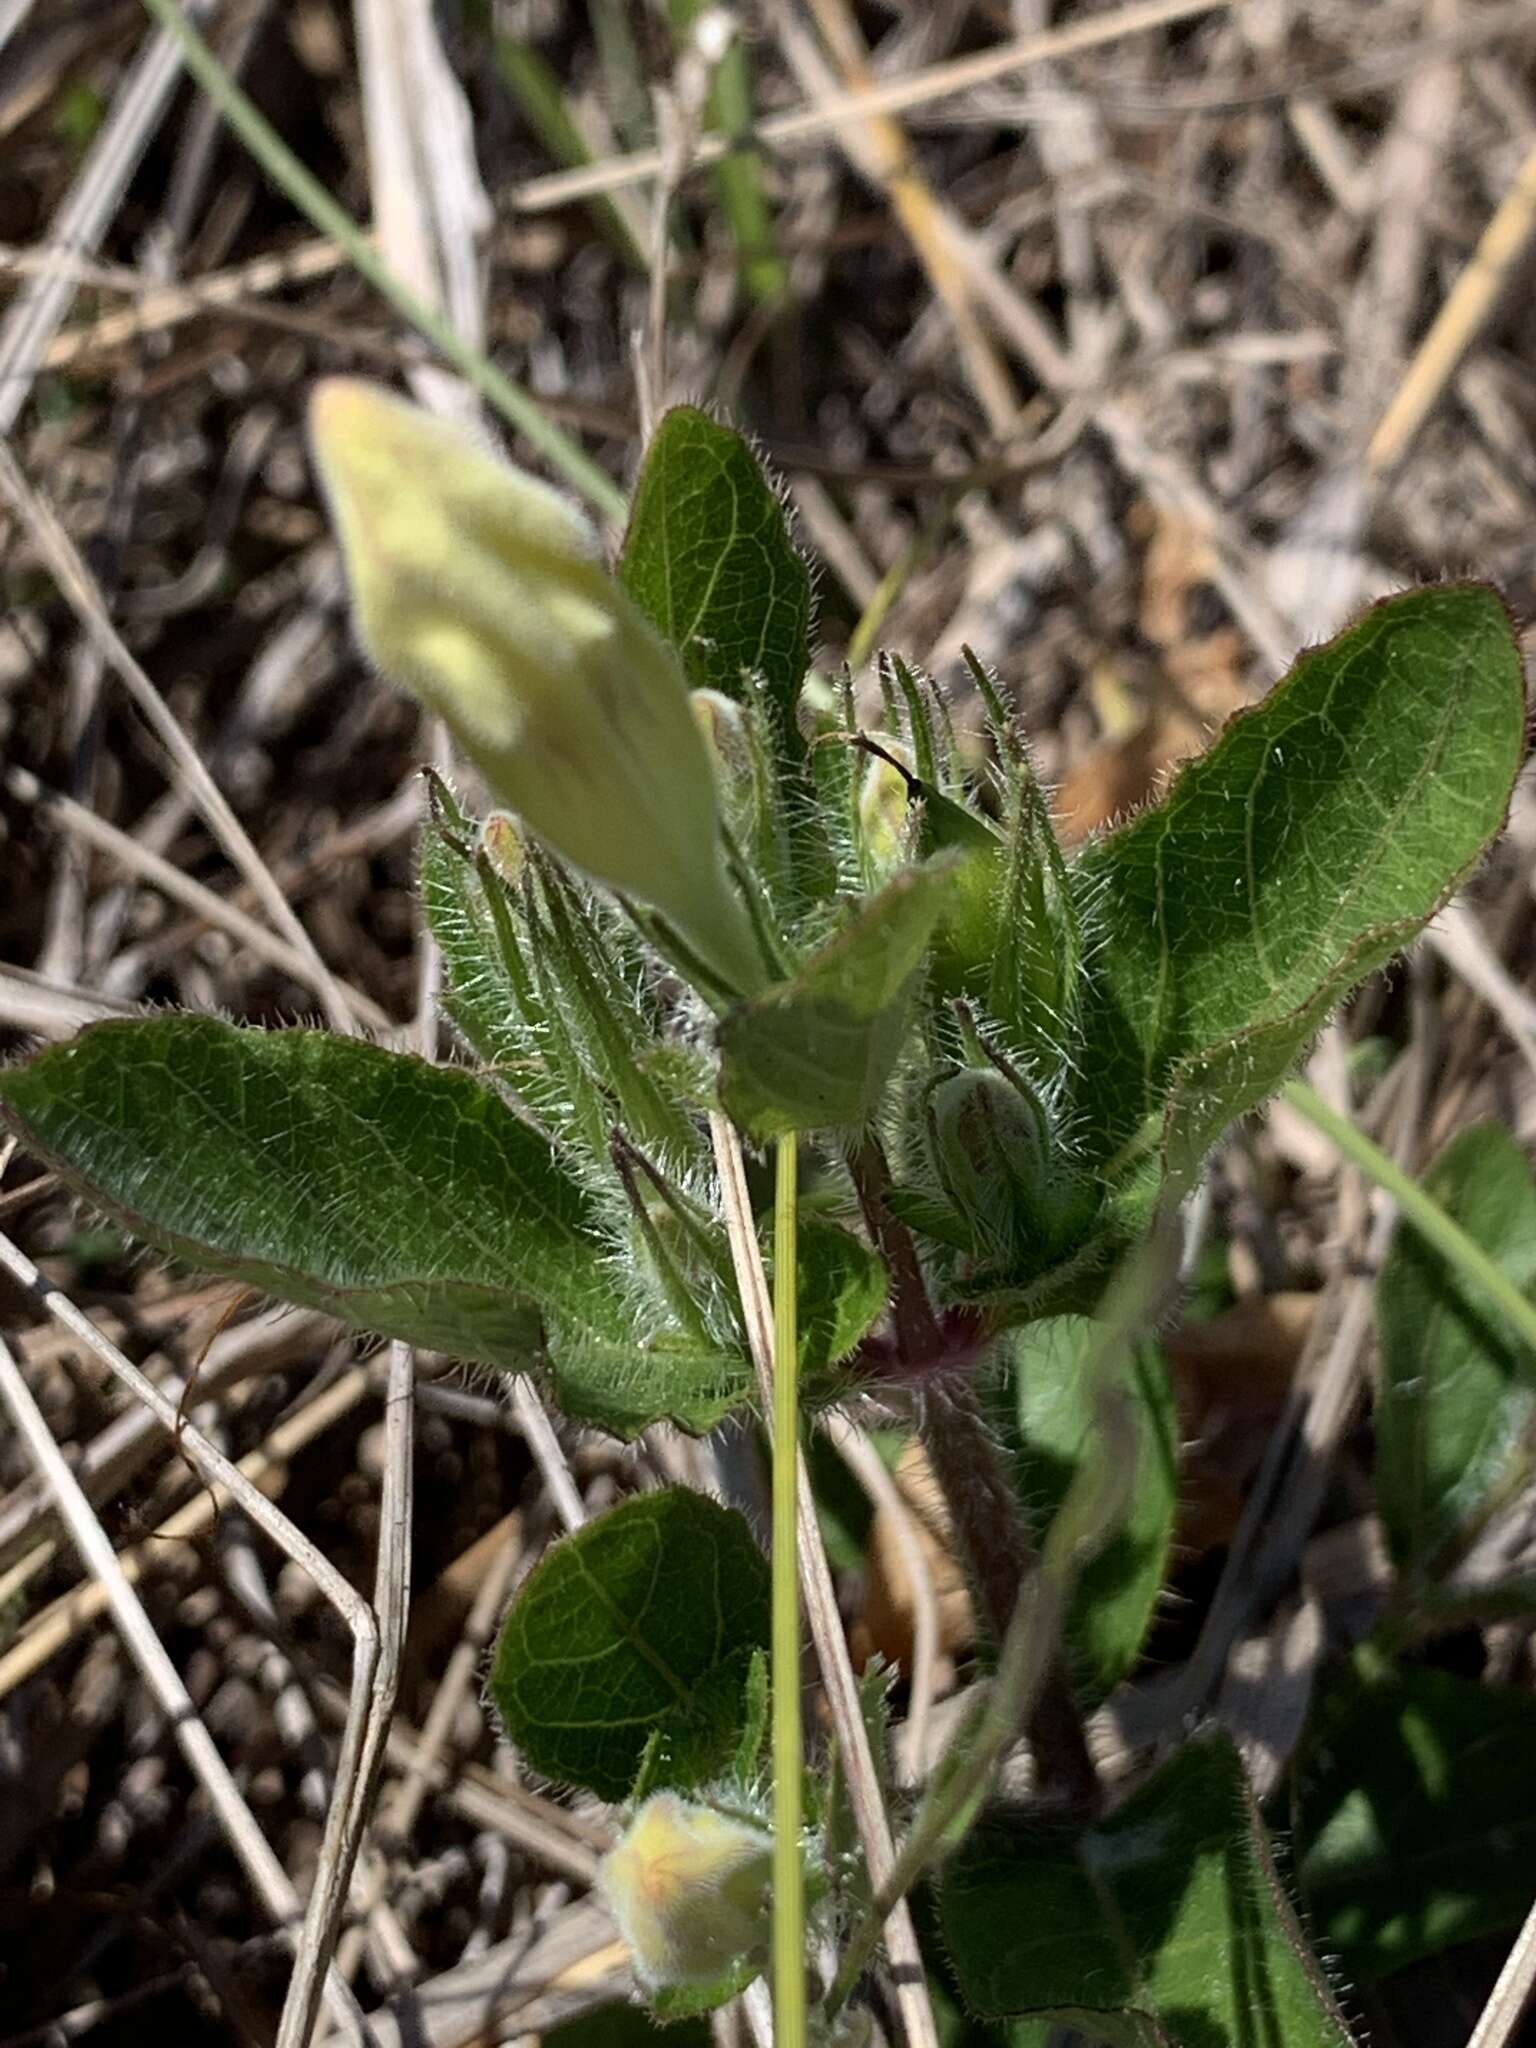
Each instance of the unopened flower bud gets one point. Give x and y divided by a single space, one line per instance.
689 1889
721 721
482 592
502 844
884 811
993 1151
988 1147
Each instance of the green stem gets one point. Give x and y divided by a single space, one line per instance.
1420 1210
789 2003
312 199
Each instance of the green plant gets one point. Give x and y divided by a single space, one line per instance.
989 1073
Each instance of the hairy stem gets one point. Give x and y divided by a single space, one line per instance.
789 2001
919 1336
968 1464
997 1547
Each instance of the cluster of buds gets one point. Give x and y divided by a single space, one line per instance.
483 593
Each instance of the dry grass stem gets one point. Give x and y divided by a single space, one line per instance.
75 581
868 1467
266 1873
33 319
1467 307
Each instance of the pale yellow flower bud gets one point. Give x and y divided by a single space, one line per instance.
504 847
884 810
483 592
688 1886
725 734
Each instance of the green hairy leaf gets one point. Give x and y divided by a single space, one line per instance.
1302 851
633 1639
612 1362
532 992
709 560
399 1196
840 1291
1457 1388
817 1050
1013 942
487 991
1084 2030
405 1199
1034 972
1057 1420
625 2026
1417 1819
1168 1915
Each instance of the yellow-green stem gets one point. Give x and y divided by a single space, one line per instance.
1419 1210
789 2005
